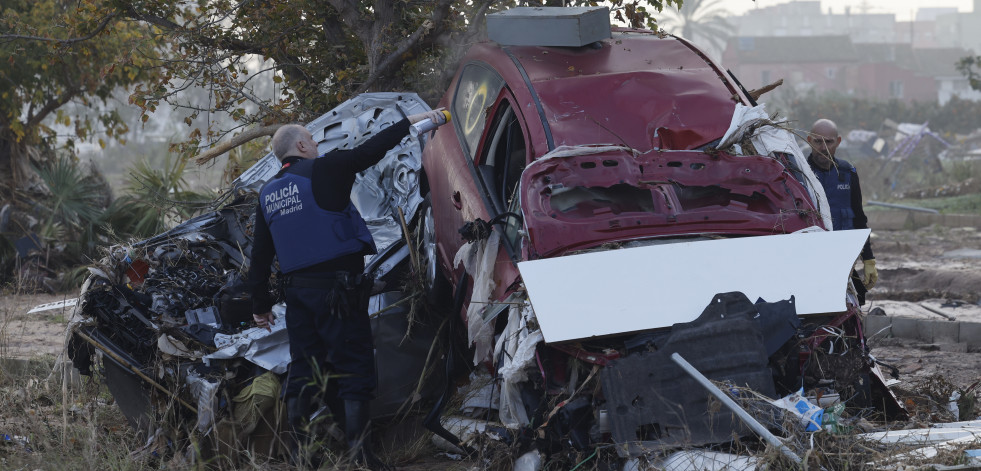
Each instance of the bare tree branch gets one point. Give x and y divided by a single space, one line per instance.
397 57
348 11
236 141
236 45
33 119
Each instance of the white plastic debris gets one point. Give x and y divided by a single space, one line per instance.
206 393
56 305
924 436
268 349
170 345
810 414
480 394
929 452
704 460
479 258
515 350
531 461
620 283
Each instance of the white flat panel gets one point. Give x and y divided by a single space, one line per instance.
627 290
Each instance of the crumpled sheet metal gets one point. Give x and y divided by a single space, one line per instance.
192 225
268 349
379 191
478 259
768 139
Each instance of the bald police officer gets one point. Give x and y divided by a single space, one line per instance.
840 181
305 218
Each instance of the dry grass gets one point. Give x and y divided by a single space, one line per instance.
43 431
45 427
44 424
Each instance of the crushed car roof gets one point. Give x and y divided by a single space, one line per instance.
623 91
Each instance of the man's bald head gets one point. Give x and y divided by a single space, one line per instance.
824 139
825 127
293 140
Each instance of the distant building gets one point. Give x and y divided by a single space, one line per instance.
931 13
960 29
805 18
892 71
879 71
950 82
819 63
919 33
852 51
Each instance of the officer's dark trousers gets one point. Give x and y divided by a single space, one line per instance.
339 345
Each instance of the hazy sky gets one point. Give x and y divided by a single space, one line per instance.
903 9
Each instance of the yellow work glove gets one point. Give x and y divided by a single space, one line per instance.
871 275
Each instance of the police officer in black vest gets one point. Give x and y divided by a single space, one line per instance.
305 218
840 182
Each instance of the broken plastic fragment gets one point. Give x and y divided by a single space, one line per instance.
809 413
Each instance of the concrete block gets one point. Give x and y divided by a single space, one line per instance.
945 332
908 328
875 324
970 333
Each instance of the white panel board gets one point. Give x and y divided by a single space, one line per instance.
627 290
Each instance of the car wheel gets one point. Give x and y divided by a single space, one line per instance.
435 284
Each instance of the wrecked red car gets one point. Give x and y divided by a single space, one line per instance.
562 155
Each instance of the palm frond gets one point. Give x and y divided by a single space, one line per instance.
75 199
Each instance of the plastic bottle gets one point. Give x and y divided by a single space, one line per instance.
427 125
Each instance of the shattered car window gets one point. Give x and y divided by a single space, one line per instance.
476 92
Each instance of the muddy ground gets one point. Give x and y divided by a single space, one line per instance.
938 267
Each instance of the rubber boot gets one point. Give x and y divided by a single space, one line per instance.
297 412
336 429
358 439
